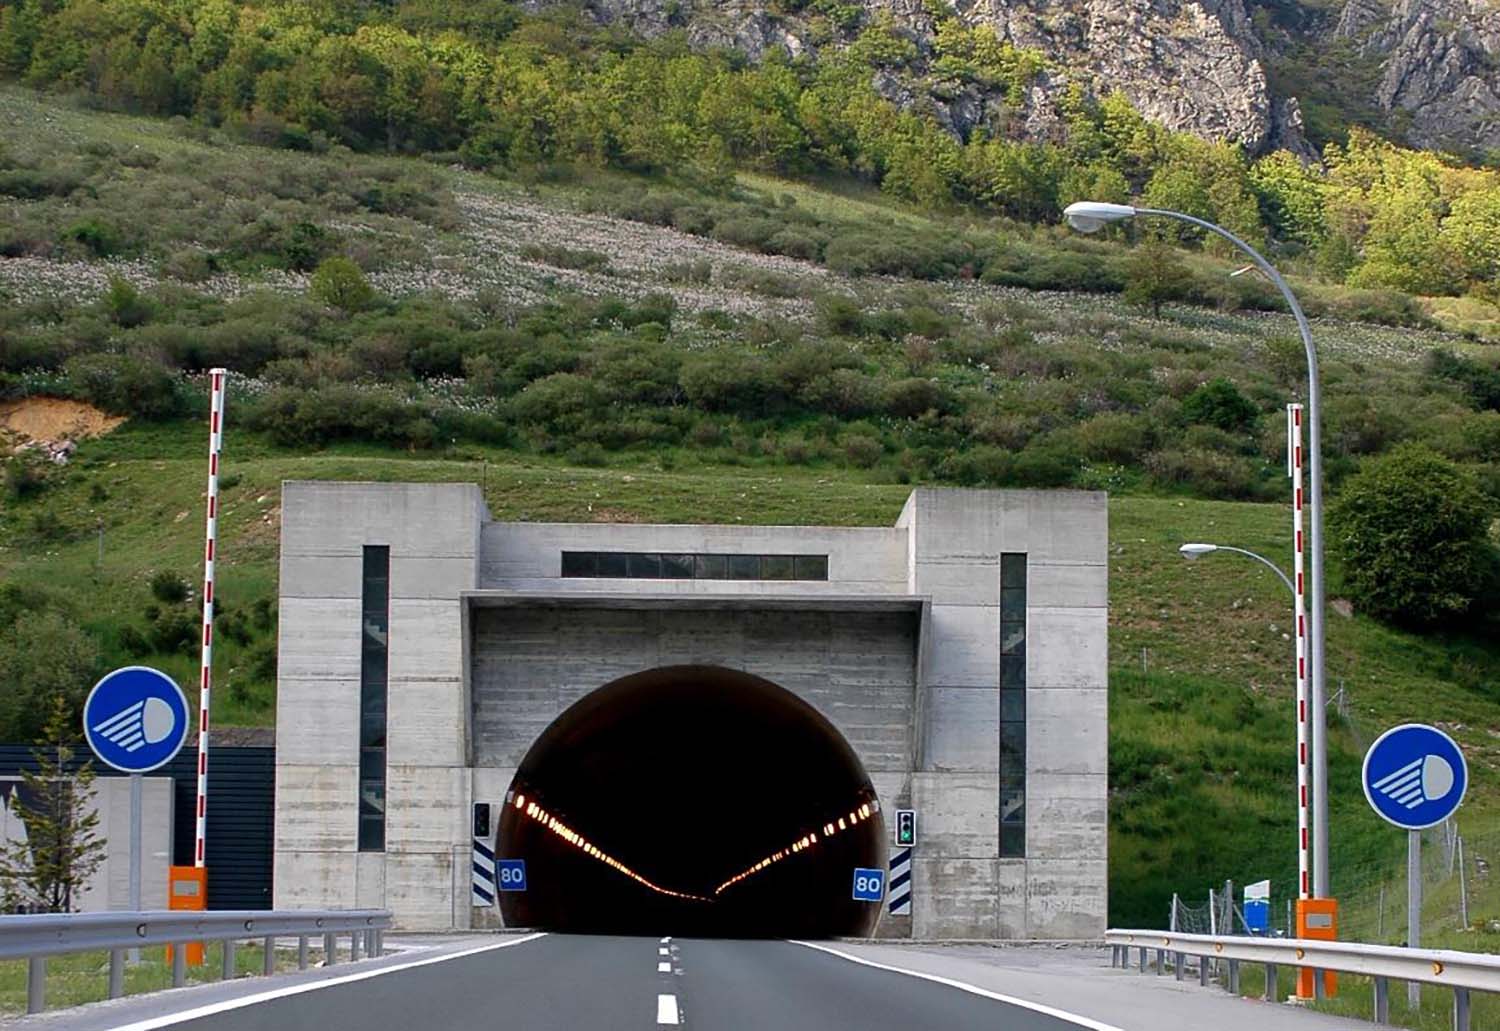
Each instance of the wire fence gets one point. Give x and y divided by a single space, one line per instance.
1460 891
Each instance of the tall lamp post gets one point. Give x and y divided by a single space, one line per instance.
1092 216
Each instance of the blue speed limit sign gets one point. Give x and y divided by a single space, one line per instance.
511 873
869 884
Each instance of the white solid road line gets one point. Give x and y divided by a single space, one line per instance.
197 1013
666 1009
663 967
1036 1007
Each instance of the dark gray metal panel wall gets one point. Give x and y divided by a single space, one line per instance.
242 789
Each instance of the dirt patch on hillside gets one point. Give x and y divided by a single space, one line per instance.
54 419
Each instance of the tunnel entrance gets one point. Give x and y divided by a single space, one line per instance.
692 800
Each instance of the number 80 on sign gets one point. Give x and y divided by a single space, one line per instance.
511 873
869 884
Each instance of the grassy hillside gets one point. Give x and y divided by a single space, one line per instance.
604 347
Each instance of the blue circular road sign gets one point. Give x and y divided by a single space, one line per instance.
1415 776
135 719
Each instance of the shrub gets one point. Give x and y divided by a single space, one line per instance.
125 304
169 587
909 398
862 450
1219 403
339 283
1411 531
125 385
25 475
559 256
1211 474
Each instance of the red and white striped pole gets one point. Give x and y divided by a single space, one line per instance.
217 378
1294 469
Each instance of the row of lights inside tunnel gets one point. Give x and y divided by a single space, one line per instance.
864 811
807 841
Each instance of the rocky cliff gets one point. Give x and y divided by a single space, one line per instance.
1441 66
1193 65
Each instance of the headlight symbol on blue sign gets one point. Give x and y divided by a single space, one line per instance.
136 719
1415 776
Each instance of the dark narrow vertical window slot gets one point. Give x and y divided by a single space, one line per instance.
1012 706
374 667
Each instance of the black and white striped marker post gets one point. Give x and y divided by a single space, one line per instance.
900 886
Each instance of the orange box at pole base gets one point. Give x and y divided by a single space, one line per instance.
1317 919
187 888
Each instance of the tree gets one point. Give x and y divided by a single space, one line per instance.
339 283
49 869
1153 275
44 656
1410 530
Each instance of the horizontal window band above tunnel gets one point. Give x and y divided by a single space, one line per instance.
654 565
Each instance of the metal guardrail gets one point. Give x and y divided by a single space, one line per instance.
34 938
1463 972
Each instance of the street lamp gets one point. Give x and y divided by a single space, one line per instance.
1092 216
1195 551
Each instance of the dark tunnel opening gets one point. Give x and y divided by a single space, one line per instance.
692 800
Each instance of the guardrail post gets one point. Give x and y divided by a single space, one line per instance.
226 969
116 973
179 964
1460 1009
380 943
1382 1007
353 946
1271 992
1234 977
1177 965
1161 962
1143 959
302 952
268 961
1202 971
330 950
36 984
370 943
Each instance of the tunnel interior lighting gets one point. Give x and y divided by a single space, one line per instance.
572 837
803 843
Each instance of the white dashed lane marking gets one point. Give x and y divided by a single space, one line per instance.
664 967
666 1009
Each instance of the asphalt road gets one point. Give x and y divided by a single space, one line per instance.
565 982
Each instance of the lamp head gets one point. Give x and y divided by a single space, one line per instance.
1192 551
1090 216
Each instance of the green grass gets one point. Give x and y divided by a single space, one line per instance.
81 977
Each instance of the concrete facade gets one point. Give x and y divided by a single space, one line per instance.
899 648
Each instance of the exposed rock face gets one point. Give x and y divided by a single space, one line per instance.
1189 64
1194 65
1441 66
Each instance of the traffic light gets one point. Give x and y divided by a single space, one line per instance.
481 820
906 826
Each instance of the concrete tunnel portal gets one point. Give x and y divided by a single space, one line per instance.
692 800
